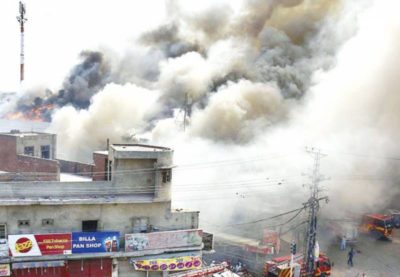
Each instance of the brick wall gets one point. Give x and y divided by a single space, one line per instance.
76 168
38 169
99 166
8 153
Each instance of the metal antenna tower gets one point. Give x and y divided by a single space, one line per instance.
313 206
21 19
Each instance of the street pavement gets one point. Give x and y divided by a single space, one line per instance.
375 258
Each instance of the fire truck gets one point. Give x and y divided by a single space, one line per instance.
395 216
280 267
379 225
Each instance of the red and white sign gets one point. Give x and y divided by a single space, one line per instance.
39 245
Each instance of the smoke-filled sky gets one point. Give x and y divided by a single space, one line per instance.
258 80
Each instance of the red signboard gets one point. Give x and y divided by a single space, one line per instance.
39 245
271 237
54 244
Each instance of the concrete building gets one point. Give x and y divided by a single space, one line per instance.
120 224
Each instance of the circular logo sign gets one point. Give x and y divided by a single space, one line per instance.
23 245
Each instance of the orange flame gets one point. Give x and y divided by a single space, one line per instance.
35 114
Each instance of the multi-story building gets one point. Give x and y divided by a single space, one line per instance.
120 224
28 156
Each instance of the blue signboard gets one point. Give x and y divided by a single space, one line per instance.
95 242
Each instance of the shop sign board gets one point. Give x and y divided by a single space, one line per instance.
3 248
5 270
39 245
163 240
270 237
261 249
168 264
95 242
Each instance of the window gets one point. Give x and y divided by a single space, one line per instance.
140 224
45 150
29 150
3 231
47 222
89 226
166 176
23 223
107 170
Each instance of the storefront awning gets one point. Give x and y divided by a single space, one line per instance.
38 264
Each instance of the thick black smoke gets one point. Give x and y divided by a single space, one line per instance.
84 81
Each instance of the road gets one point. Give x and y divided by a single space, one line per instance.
375 258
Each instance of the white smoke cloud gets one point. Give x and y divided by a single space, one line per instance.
258 82
238 111
115 112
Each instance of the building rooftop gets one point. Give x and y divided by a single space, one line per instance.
18 133
138 148
68 177
103 152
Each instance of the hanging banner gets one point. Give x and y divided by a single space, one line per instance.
168 264
3 248
95 242
163 240
39 245
5 270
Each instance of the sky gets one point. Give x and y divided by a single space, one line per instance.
57 31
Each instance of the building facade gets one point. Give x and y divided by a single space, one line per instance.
28 156
120 224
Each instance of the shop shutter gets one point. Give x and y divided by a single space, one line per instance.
40 272
90 268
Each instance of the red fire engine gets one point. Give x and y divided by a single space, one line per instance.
378 224
280 267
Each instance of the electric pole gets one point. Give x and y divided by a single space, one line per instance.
185 112
21 19
313 207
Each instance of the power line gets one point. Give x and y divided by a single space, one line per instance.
267 218
176 167
336 153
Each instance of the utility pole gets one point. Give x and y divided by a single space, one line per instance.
21 19
313 207
185 112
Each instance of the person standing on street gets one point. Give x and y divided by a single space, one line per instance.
350 257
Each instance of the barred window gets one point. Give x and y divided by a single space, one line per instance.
3 231
166 176
24 223
47 222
